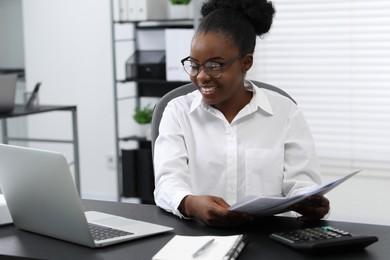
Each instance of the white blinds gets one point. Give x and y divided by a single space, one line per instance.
333 57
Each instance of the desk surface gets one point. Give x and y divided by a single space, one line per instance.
21 110
20 243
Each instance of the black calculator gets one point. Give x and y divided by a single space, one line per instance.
325 238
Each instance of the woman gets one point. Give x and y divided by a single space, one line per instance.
230 139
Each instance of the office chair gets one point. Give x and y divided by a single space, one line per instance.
185 89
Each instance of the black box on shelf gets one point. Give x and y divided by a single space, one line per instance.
146 65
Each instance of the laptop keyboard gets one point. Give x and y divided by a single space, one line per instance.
102 233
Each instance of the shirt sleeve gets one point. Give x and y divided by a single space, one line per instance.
301 168
172 178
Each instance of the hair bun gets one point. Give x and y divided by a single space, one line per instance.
259 12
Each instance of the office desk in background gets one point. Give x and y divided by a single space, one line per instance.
21 110
20 243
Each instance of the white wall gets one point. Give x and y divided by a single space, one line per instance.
68 48
364 198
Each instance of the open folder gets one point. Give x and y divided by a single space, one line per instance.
260 206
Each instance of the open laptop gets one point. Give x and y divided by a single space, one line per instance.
42 198
7 92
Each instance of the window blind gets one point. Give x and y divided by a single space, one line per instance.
333 57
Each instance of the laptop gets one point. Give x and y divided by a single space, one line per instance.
7 92
42 198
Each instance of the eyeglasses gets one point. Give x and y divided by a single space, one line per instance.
212 68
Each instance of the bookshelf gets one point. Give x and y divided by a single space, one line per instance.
131 89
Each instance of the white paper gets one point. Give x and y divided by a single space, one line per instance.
5 217
2 200
182 247
267 206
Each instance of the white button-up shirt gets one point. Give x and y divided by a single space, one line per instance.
266 150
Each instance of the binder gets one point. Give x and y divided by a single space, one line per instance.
137 174
123 10
141 10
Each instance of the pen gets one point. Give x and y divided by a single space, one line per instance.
202 249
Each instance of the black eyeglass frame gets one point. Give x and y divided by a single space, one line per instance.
222 64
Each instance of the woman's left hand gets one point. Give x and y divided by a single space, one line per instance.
312 208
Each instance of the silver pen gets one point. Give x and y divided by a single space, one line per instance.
202 249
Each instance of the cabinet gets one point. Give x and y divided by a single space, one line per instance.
140 57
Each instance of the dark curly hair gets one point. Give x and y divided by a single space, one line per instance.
239 20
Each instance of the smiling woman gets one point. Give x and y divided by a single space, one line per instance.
229 139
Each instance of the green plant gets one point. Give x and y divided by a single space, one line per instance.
143 115
180 2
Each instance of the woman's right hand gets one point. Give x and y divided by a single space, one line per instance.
212 211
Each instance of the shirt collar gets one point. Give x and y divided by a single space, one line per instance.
259 99
197 102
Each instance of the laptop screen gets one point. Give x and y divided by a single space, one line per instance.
7 92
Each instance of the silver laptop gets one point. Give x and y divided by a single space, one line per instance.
42 198
7 92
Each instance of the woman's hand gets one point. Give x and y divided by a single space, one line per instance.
312 208
212 211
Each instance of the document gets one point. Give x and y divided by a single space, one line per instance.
202 248
268 206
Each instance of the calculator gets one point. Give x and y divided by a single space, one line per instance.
324 238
